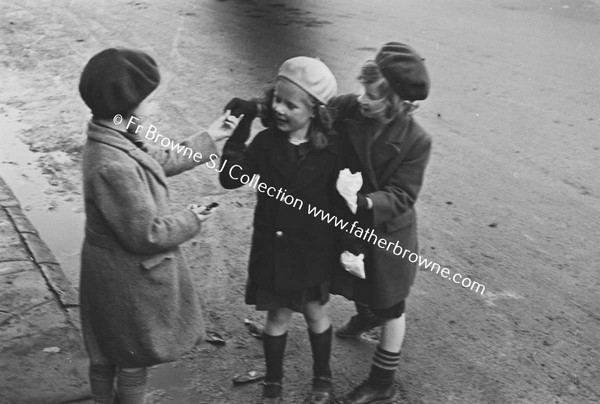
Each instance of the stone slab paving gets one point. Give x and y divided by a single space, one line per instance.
42 359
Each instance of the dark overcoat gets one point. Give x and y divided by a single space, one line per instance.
137 295
291 248
392 159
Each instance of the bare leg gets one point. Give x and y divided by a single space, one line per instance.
392 334
278 321
316 317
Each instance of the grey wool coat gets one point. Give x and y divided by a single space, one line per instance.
392 158
138 301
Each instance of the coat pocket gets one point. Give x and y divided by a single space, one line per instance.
400 222
157 260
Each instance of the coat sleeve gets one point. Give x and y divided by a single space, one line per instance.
182 156
126 203
400 193
238 159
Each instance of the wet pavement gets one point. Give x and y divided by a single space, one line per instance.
42 356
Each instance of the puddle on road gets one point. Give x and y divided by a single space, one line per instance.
58 221
171 383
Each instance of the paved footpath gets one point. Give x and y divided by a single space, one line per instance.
42 359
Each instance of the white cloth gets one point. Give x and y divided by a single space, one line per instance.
348 185
353 263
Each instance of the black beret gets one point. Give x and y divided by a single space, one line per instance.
116 80
404 70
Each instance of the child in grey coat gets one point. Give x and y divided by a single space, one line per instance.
138 303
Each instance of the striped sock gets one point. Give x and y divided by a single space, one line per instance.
383 367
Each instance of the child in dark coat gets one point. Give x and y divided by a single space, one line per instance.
293 252
384 142
138 303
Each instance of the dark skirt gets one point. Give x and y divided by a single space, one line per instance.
265 299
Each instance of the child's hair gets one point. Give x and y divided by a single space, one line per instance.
321 125
391 103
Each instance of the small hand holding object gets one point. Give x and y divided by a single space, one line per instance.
238 106
348 185
202 212
224 126
353 263
247 111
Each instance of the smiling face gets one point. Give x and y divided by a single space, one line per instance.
291 106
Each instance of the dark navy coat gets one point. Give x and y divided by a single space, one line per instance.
291 249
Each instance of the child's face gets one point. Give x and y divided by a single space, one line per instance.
371 97
291 105
146 108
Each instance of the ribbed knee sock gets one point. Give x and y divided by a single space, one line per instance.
274 348
131 386
321 350
102 378
383 367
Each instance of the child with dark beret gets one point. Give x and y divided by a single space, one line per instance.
138 303
391 150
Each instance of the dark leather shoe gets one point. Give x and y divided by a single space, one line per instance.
357 325
319 397
271 393
366 393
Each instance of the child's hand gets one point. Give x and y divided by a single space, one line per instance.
238 106
201 212
224 126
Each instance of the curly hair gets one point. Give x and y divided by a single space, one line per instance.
321 125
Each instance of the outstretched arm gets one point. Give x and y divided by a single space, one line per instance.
187 154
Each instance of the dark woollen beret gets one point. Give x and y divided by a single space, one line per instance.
116 80
404 70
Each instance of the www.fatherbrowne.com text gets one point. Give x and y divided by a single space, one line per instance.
235 172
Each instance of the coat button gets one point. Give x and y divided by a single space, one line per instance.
279 234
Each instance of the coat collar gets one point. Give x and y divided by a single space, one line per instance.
113 138
308 172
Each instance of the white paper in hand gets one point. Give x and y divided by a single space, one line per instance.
353 263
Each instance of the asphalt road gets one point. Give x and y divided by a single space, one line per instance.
512 193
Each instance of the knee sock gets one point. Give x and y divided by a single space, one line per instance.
131 385
363 310
102 383
274 347
321 350
383 367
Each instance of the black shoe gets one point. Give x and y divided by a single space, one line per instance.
271 393
357 325
366 393
319 397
